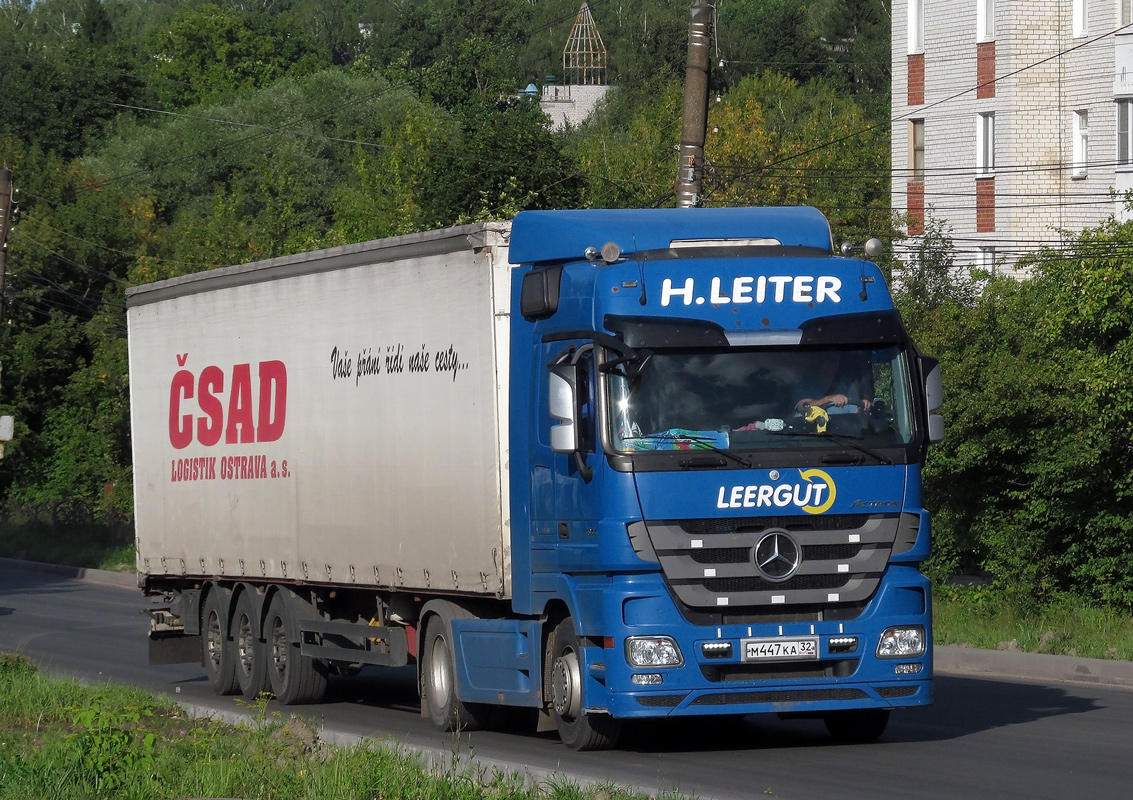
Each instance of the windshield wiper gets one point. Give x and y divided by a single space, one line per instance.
839 438
704 443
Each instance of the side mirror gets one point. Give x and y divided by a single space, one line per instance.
934 397
539 292
562 391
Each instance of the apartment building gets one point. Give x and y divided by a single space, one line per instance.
1012 120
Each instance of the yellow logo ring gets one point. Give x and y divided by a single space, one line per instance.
808 475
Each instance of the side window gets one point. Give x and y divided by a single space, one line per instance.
985 20
1078 17
1081 146
985 143
587 402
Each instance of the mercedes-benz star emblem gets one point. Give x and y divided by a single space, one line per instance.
777 556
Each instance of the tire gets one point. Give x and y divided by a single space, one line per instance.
858 725
440 695
577 729
216 649
294 678
249 651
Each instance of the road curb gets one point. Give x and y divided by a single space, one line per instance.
956 660
129 579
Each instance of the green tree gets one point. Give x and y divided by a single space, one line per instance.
64 378
504 159
207 53
778 36
62 94
1032 484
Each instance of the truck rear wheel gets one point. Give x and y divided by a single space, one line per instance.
216 649
250 653
857 725
577 729
295 679
440 694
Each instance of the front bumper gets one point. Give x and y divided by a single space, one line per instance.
845 672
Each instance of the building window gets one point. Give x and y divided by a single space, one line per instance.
916 26
1081 144
985 143
1125 131
916 149
985 258
1078 17
985 20
1124 12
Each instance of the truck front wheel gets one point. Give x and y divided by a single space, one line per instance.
295 679
439 692
856 725
249 651
216 649
577 729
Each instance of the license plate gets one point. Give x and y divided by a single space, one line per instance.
804 648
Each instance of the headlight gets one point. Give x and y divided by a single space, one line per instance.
902 642
653 651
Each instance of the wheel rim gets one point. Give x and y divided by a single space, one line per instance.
244 645
565 682
279 645
440 681
215 641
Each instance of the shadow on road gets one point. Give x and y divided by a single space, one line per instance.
963 706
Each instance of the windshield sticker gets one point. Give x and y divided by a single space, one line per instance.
814 496
762 289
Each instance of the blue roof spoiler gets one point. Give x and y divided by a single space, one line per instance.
545 236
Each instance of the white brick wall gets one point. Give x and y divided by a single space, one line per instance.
570 104
1044 74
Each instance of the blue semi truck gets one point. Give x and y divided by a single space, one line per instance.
601 465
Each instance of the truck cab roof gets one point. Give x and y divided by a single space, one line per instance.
549 236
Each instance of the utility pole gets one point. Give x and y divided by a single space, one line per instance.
694 124
5 214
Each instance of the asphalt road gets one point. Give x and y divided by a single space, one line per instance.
983 737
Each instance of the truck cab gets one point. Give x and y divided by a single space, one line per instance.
716 497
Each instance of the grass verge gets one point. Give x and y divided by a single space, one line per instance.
979 617
61 739
72 546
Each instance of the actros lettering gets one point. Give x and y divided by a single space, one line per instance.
760 289
212 405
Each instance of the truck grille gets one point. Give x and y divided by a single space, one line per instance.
712 564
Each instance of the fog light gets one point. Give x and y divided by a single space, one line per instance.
907 669
653 651
902 642
716 649
647 679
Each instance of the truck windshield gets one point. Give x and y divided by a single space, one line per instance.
763 399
